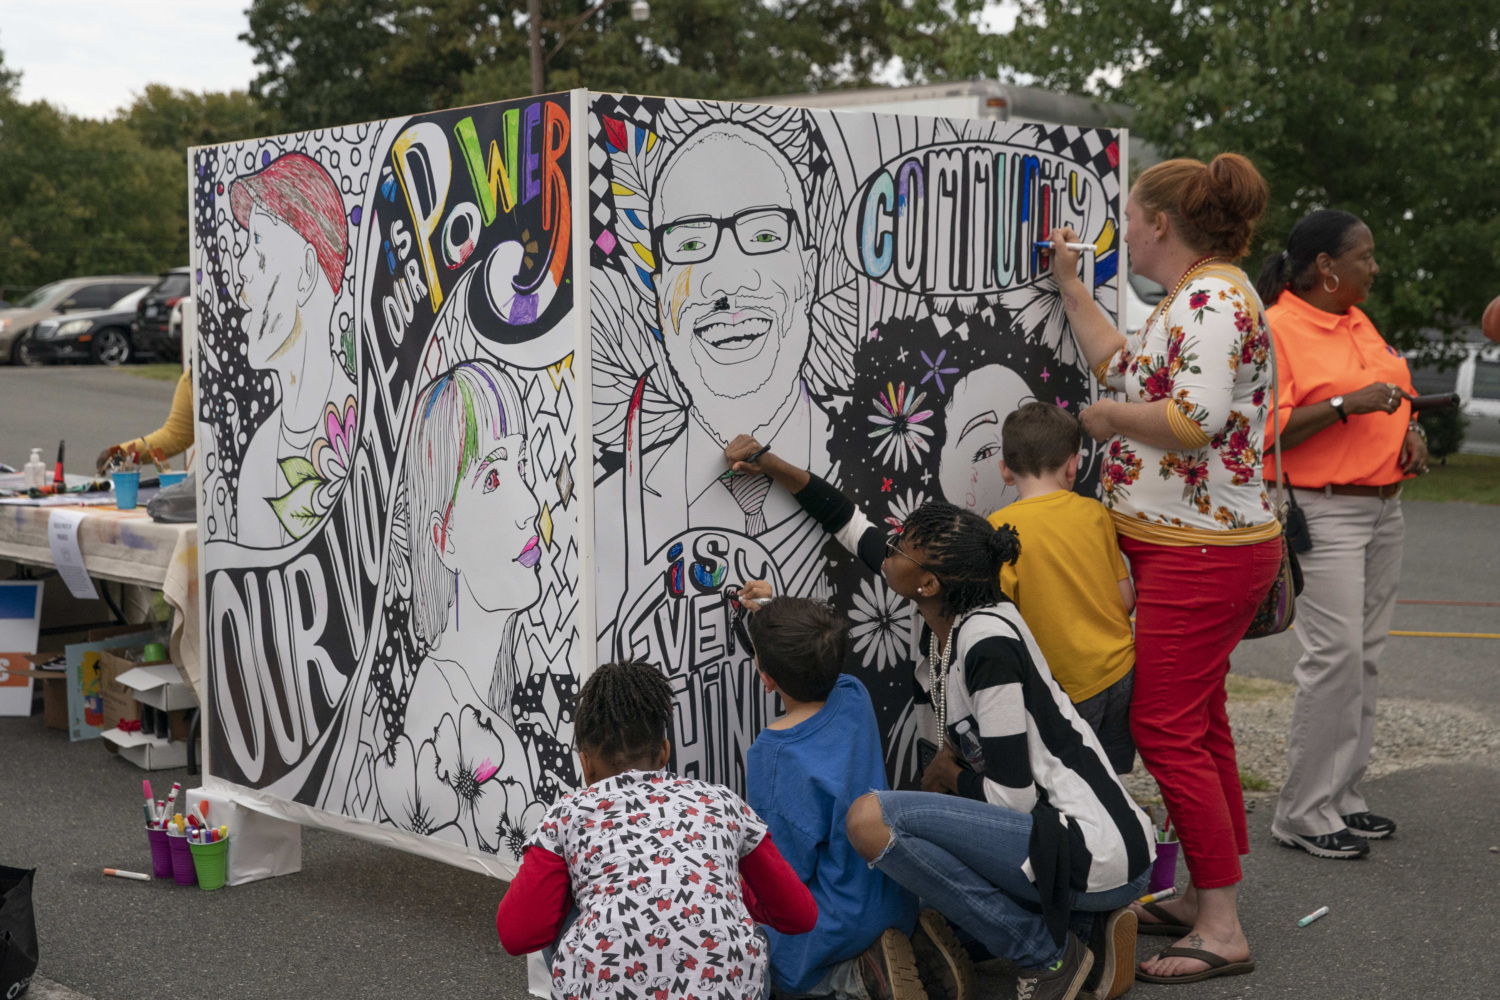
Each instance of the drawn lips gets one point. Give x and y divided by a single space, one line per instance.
531 554
732 331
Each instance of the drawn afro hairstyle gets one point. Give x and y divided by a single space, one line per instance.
800 644
963 551
1325 231
624 712
1039 437
455 421
297 190
1213 206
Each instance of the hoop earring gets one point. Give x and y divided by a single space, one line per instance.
1336 284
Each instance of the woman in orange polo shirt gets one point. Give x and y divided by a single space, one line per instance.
1348 441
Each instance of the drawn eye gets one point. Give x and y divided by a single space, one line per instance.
985 453
257 239
765 236
491 480
691 244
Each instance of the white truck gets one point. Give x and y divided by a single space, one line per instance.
991 100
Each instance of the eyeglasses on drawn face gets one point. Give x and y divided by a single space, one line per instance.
893 548
696 239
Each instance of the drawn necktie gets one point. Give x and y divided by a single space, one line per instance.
749 491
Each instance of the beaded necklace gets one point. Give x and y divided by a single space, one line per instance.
1187 276
939 666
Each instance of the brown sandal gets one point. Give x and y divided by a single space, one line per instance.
1165 924
1218 965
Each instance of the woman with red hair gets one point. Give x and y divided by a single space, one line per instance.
1182 479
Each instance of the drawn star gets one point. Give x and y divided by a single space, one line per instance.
886 485
901 355
926 476
1045 373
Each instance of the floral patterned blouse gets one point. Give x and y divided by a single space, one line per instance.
1209 352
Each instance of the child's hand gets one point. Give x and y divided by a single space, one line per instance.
942 774
742 453
754 592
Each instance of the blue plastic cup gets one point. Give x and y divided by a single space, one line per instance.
170 478
127 486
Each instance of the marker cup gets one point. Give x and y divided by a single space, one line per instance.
212 862
166 479
183 872
127 486
161 853
1164 868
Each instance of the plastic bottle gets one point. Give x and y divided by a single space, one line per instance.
35 470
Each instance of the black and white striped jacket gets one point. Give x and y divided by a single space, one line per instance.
1028 749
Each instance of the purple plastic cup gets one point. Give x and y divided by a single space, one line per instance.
161 853
183 871
1164 868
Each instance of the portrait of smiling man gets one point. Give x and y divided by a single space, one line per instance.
736 278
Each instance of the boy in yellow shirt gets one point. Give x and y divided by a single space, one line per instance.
1070 582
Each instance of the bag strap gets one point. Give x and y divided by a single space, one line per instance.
1276 423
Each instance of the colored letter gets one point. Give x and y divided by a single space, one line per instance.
876 242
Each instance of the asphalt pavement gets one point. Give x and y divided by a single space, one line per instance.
363 922
89 407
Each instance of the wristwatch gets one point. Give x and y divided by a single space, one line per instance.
1337 402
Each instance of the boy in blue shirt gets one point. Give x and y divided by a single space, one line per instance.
803 772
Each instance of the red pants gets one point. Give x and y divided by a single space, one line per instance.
1193 605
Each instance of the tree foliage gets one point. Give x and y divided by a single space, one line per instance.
1386 108
325 62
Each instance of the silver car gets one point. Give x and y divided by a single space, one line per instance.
67 296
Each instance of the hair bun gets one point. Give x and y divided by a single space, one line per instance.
1214 206
1005 545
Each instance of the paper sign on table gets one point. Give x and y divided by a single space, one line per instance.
62 536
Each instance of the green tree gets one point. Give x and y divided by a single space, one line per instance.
326 62
166 118
1386 108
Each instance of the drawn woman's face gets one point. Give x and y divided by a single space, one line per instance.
970 460
492 532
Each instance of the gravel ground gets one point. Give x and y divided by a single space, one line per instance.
1408 733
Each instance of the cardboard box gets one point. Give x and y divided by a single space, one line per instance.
54 692
120 704
159 685
126 684
146 752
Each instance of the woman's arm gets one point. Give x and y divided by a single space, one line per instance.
1147 423
173 437
1096 335
1307 421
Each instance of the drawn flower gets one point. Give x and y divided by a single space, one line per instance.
409 792
469 754
881 626
900 426
518 821
901 508
936 371
333 453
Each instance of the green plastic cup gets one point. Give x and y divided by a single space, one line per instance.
212 863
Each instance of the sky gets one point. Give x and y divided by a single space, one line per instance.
93 56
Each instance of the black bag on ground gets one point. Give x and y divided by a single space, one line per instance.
17 931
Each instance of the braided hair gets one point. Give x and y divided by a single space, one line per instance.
963 551
624 712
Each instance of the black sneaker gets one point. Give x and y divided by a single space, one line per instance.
1341 845
1112 943
1369 826
945 966
1062 981
888 969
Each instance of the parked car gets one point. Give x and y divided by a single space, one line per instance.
70 295
102 337
153 314
1470 368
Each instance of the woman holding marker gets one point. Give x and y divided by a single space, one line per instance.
1349 440
1182 479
